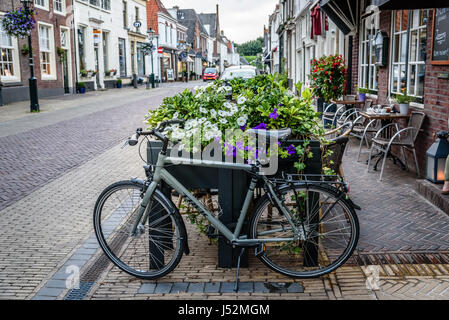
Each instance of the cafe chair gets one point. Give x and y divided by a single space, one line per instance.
403 139
331 116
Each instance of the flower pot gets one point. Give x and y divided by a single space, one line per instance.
119 85
82 90
403 108
362 96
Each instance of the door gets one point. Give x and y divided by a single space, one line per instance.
65 70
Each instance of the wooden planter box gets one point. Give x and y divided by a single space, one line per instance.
232 187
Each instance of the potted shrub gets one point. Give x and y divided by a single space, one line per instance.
119 83
404 101
81 87
362 93
328 79
25 49
84 73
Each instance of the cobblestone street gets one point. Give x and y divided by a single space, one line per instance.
53 166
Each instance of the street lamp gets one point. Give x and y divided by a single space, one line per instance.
34 101
186 47
151 36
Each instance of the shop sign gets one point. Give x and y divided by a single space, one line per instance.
440 37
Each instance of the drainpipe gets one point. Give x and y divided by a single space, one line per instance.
74 49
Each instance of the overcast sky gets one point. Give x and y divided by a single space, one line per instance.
241 20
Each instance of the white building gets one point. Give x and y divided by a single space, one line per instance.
109 37
292 44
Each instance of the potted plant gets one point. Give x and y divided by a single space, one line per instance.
84 73
119 83
328 79
404 101
81 87
110 72
61 53
25 49
362 93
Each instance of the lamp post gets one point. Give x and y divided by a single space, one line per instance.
151 36
34 101
186 47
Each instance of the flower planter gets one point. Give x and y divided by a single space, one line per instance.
403 107
362 96
232 186
82 90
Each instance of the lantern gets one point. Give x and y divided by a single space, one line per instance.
436 158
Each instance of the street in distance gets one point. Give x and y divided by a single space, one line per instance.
227 309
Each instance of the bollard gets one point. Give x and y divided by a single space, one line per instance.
1 95
135 81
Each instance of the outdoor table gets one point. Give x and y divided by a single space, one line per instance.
385 118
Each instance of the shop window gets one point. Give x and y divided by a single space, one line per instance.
125 14
409 52
105 51
368 71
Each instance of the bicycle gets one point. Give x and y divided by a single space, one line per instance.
301 227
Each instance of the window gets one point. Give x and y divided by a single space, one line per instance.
122 56
106 4
58 6
94 2
125 14
409 51
6 55
368 71
41 3
81 46
64 39
45 50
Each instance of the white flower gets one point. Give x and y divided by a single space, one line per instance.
222 113
194 149
201 120
181 146
234 109
213 113
203 110
223 120
241 121
241 100
227 105
198 95
175 115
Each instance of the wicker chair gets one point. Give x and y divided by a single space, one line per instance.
404 139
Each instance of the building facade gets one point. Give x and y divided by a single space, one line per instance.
52 43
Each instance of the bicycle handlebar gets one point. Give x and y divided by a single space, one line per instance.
155 132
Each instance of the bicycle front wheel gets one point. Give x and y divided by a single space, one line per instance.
327 231
155 247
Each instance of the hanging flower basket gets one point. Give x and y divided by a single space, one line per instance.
18 23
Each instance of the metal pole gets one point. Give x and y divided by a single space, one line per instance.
34 101
152 69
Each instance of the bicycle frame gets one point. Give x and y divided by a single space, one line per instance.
161 174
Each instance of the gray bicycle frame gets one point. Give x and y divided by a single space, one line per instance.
161 174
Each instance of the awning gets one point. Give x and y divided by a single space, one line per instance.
407 4
344 13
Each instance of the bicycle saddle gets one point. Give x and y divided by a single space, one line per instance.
281 134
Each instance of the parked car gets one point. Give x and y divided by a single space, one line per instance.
245 72
210 74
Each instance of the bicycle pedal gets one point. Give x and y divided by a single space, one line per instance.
260 250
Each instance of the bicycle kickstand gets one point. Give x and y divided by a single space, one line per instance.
236 288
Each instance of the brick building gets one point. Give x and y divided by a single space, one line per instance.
409 35
52 42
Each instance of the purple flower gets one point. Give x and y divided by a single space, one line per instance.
291 149
239 145
261 126
274 114
243 128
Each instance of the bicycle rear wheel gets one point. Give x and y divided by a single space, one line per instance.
157 246
328 231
